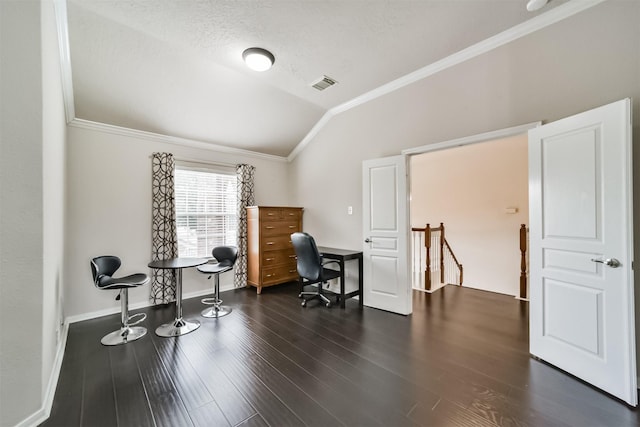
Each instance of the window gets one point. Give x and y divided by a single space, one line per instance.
206 209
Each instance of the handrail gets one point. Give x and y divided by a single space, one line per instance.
453 256
441 249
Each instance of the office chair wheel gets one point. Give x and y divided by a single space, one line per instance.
328 304
304 303
300 295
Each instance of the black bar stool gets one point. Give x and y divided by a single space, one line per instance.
103 268
226 257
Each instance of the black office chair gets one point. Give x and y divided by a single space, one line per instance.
103 268
311 268
226 257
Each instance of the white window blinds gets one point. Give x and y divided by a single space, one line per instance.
206 210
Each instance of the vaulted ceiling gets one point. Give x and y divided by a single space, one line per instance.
174 67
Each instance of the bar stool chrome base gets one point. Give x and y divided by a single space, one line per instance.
177 327
216 311
124 335
127 332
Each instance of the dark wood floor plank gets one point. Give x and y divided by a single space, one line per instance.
208 415
167 407
332 391
255 421
353 391
284 382
98 402
268 405
233 404
66 409
132 404
461 359
187 380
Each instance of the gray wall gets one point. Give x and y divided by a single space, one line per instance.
31 200
588 60
109 211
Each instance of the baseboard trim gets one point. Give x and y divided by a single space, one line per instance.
43 413
136 306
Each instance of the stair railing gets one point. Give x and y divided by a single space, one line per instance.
432 253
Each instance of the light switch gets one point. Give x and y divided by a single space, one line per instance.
349 210
510 210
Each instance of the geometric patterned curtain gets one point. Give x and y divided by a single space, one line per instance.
245 174
164 240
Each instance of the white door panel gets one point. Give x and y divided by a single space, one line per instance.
386 230
582 311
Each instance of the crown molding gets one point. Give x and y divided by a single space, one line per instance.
156 137
534 24
539 22
312 134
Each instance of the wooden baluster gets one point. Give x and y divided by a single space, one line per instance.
427 244
441 253
461 274
523 261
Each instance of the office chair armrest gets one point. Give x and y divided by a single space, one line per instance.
330 261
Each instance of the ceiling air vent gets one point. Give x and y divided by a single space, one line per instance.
323 83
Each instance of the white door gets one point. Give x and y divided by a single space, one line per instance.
386 231
581 236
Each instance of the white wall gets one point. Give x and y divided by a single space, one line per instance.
468 189
31 198
53 203
109 210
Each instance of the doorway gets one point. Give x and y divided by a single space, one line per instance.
479 189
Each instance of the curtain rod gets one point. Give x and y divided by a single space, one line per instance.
203 162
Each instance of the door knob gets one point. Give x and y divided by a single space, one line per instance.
611 262
367 240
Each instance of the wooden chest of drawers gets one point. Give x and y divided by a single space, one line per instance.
271 258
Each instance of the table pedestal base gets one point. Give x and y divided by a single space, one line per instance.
177 327
214 312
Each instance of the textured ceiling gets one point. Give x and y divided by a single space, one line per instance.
174 67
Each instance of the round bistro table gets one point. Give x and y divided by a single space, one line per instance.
179 326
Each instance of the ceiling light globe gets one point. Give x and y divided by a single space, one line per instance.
258 59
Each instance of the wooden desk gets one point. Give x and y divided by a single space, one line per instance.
342 255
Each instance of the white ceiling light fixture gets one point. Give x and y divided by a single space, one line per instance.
533 5
258 59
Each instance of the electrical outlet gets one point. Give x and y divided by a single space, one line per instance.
349 210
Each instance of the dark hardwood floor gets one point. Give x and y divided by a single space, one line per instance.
461 359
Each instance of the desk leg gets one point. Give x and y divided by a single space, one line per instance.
360 282
179 326
342 298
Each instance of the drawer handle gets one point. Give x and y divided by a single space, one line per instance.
269 243
269 259
269 275
292 226
270 214
269 227
292 271
293 256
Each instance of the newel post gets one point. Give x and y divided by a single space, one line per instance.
427 244
441 253
523 261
